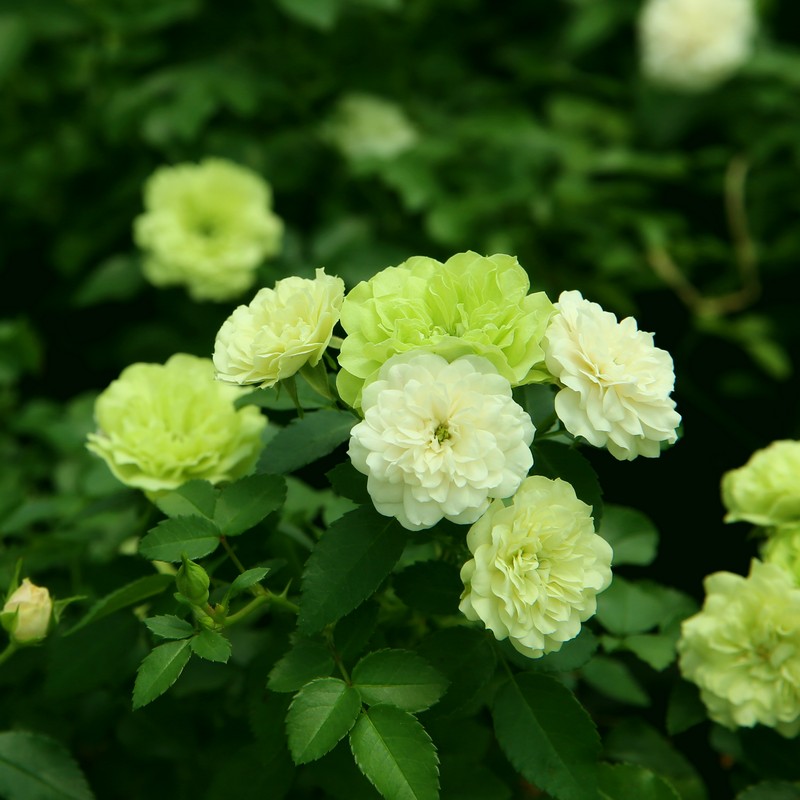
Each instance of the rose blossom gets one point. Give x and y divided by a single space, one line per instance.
615 384
280 331
440 439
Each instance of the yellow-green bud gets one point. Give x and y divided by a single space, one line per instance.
193 582
27 613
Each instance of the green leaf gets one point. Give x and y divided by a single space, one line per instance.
547 736
632 536
431 587
347 565
243 504
36 767
771 790
193 499
168 626
613 679
248 578
627 607
131 594
305 440
169 540
556 460
685 709
348 482
394 751
572 655
630 782
308 659
212 646
467 659
159 670
655 649
353 631
398 678
321 714
318 13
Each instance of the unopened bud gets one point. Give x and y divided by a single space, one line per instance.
193 582
27 613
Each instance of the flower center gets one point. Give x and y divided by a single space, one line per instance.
442 432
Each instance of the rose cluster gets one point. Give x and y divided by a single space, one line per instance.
429 362
743 648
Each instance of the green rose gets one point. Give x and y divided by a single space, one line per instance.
160 426
766 490
470 305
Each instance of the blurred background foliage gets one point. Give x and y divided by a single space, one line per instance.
528 130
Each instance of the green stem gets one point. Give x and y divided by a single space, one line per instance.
11 648
279 601
233 557
252 606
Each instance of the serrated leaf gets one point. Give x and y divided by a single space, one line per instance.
193 499
131 594
248 578
168 626
556 460
212 646
573 654
655 649
613 679
305 440
347 565
159 670
243 504
431 587
631 782
36 767
352 632
321 714
348 482
395 752
398 678
632 536
547 735
170 539
308 659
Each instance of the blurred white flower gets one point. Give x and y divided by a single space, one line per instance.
743 649
537 567
280 331
367 127
693 45
207 226
27 613
440 439
615 383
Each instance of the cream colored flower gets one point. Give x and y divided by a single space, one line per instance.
364 126
766 490
615 383
440 439
280 331
160 426
537 567
207 226
693 45
743 649
27 613
468 305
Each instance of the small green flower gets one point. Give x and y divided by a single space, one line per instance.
207 226
469 305
160 426
766 490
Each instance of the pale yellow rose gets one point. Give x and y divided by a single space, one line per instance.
27 613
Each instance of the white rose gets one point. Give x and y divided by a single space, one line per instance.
27 612
537 567
282 330
615 383
440 439
694 45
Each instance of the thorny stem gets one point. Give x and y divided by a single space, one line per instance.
744 253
